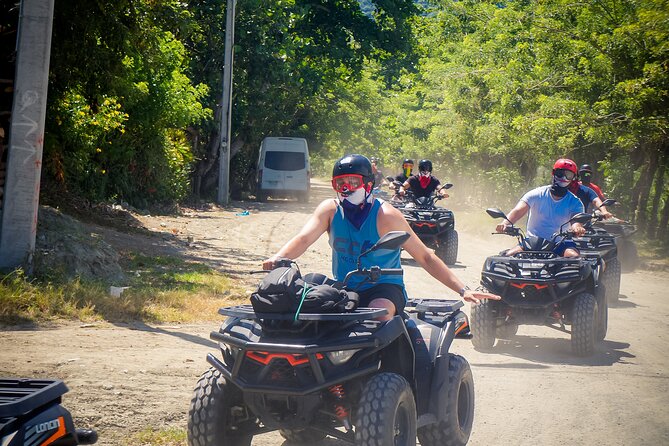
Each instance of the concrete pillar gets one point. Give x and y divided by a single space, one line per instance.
18 224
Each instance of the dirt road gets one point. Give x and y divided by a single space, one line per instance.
529 391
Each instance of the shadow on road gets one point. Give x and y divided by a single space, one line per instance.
558 351
141 326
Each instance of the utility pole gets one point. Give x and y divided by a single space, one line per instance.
18 225
226 104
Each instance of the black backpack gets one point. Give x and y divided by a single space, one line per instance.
284 290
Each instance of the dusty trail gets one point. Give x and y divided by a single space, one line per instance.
529 391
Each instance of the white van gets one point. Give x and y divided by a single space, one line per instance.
283 168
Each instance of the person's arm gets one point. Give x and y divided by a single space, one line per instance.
317 224
390 219
597 203
404 187
512 217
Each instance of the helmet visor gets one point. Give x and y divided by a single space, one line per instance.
347 183
564 173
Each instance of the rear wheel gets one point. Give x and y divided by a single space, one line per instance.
210 414
447 250
456 429
386 414
611 280
302 436
583 325
483 325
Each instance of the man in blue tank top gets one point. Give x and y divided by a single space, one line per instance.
355 221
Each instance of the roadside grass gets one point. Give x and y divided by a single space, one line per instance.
161 290
170 436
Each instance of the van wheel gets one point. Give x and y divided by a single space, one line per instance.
261 196
303 197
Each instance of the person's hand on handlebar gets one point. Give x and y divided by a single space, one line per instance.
501 228
270 263
577 229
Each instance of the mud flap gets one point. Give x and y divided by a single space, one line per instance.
423 366
439 388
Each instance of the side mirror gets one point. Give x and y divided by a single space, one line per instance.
446 186
392 240
609 202
495 213
391 179
581 217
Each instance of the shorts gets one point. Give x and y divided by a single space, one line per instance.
392 292
561 247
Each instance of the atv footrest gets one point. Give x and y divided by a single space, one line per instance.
433 305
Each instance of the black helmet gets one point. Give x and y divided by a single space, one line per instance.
354 164
407 161
585 168
425 166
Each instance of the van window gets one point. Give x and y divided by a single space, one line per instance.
276 160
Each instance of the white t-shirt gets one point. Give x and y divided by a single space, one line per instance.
548 214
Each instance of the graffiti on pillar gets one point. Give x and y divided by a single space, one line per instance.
30 142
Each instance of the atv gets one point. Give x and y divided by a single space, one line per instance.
537 287
597 241
345 375
623 232
434 226
31 415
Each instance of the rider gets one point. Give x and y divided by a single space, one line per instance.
407 169
423 184
354 221
549 207
379 179
588 196
585 174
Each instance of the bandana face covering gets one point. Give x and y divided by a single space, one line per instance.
356 206
560 186
424 179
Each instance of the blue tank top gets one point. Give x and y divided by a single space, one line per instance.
347 243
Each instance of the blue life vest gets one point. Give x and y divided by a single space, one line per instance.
347 243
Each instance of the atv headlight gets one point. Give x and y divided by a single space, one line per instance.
339 357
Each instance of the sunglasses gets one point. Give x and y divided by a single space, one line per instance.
347 183
563 173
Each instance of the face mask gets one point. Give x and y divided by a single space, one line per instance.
356 197
424 179
585 178
356 206
407 172
560 186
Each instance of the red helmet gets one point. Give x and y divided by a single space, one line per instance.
566 164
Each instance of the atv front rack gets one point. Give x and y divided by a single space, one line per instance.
20 396
247 312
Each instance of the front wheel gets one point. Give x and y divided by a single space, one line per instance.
386 414
583 326
447 250
210 417
456 429
483 325
612 280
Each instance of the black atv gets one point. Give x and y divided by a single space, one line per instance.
31 415
433 225
395 198
540 288
344 375
623 232
597 241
